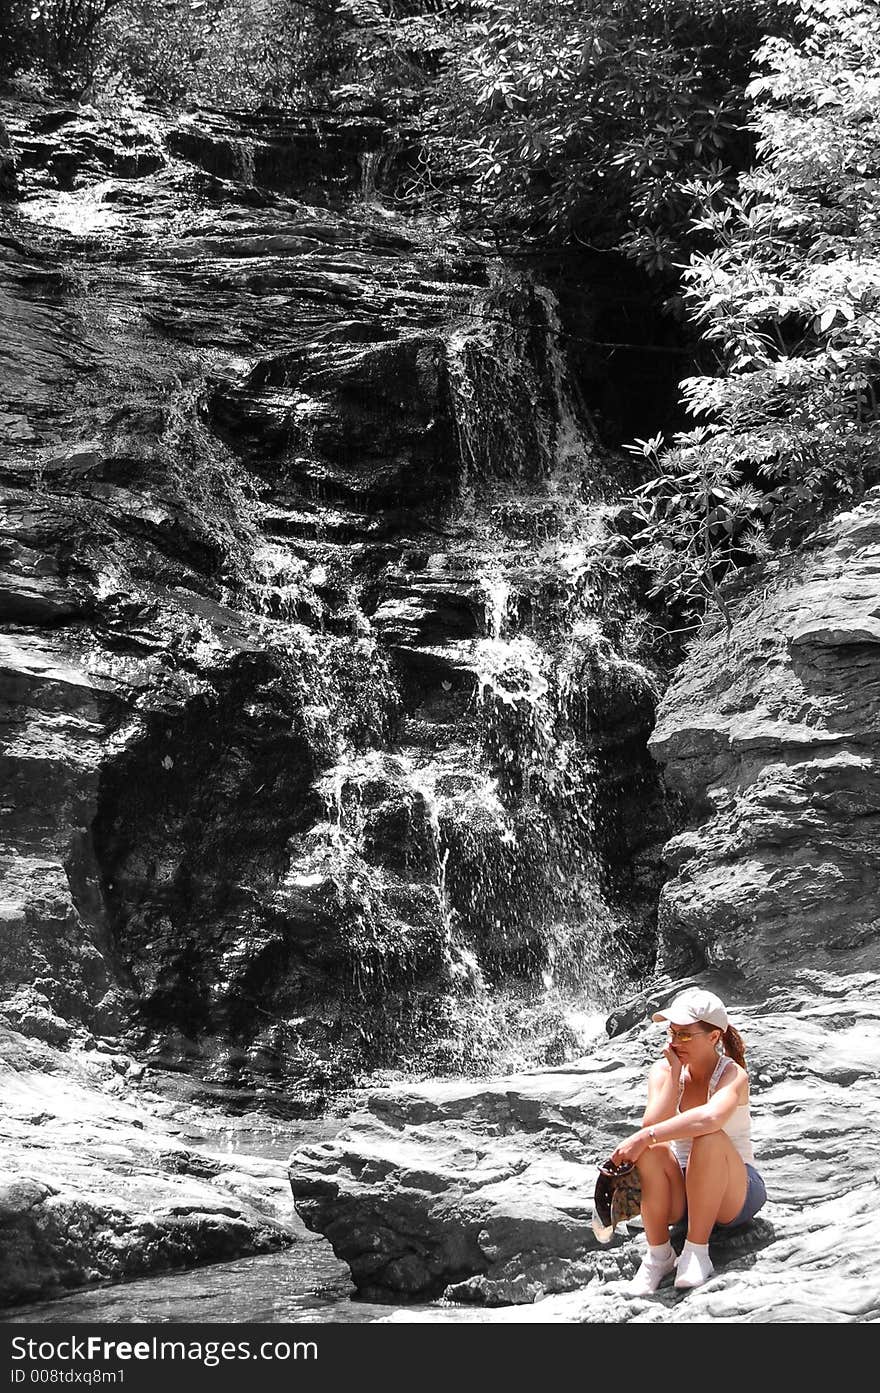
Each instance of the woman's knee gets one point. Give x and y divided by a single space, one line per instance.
658 1164
657 1160
708 1142
652 1158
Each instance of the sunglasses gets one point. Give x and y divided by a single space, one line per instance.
681 1037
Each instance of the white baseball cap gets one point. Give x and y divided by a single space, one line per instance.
695 1005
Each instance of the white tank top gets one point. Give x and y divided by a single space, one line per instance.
738 1126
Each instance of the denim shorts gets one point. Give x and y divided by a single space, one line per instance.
756 1198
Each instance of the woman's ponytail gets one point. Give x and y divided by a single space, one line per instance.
733 1045
731 1042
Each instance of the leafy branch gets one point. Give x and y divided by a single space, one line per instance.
789 296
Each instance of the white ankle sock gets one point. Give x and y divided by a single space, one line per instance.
657 1264
694 1267
660 1251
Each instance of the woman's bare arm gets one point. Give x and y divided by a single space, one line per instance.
662 1094
697 1122
675 1126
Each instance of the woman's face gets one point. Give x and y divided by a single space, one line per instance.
693 1043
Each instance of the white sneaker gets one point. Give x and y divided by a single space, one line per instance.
650 1274
692 1269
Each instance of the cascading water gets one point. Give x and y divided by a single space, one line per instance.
531 492
283 585
244 162
458 868
442 897
477 834
368 161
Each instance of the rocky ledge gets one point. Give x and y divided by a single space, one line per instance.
481 1191
101 1179
772 734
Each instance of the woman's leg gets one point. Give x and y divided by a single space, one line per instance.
663 1192
716 1184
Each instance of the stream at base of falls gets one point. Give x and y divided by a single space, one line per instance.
303 1283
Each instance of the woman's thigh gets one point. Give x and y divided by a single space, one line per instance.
716 1149
756 1198
663 1159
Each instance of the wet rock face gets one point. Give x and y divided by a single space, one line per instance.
8 171
772 735
319 726
192 828
58 145
365 425
282 152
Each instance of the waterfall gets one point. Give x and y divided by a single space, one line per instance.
456 866
477 835
244 161
340 551
282 586
516 407
531 496
368 160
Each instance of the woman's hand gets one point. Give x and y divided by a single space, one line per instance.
631 1149
673 1061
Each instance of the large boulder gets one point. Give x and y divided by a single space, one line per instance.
772 734
100 1179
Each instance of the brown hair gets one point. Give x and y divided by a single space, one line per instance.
732 1042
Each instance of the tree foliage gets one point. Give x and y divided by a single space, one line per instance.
552 120
790 298
54 34
241 53
588 121
230 52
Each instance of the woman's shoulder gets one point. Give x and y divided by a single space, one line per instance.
732 1071
658 1071
735 1073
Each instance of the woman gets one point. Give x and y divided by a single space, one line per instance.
694 1151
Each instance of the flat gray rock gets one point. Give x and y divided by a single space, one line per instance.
97 1184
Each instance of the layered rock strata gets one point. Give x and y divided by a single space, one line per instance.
312 699
772 735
